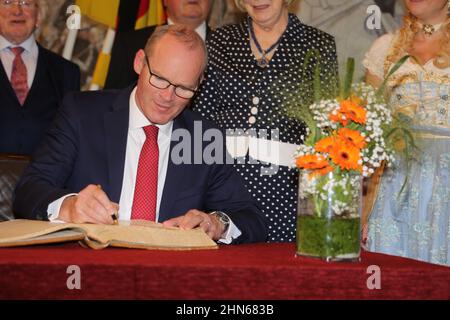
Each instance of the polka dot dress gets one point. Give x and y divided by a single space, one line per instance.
238 94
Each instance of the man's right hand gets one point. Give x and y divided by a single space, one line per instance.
91 205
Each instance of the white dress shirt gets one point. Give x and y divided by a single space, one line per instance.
29 57
135 140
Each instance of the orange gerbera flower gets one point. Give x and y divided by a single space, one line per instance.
324 145
358 100
339 117
345 155
321 172
353 111
311 161
352 136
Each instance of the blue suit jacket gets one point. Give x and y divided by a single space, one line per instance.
22 127
87 145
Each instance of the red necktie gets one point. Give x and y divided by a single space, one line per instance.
145 192
19 79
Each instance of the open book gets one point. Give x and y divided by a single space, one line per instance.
129 234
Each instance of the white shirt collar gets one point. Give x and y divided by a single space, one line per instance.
29 45
138 120
201 29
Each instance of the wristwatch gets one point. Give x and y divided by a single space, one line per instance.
223 218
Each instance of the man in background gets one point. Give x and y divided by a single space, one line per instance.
190 13
33 80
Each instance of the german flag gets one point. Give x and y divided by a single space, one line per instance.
150 13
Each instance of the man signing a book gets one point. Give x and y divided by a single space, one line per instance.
136 152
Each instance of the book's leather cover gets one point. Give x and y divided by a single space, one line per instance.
128 234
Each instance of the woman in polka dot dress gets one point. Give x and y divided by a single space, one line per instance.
246 62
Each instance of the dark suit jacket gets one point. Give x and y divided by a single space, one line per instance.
121 73
87 145
22 127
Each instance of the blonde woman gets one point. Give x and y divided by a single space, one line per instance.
414 223
246 62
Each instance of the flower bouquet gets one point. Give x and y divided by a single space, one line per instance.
349 136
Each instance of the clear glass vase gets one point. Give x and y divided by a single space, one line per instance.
328 219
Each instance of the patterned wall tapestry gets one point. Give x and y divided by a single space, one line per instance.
53 35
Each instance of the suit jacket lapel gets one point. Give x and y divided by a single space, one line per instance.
116 132
45 65
41 67
4 81
173 176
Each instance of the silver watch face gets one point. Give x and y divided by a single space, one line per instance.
225 220
222 217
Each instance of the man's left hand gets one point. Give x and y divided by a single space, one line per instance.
196 218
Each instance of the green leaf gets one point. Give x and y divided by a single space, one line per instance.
348 80
396 66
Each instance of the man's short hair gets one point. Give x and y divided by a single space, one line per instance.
185 35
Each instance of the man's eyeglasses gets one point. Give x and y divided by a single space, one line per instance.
162 83
26 4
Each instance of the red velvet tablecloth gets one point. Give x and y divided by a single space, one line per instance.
256 271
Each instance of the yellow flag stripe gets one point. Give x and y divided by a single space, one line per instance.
155 16
141 22
101 69
101 11
161 17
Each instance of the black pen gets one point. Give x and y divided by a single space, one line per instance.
115 215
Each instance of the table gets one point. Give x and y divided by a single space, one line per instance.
253 271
